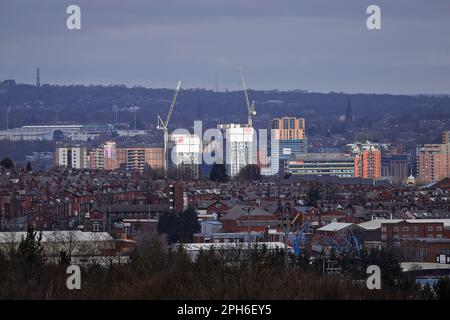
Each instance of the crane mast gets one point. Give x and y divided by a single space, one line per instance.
250 106
164 125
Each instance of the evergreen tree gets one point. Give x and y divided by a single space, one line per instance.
7 163
64 258
30 249
218 173
179 227
188 225
250 172
167 224
313 196
442 289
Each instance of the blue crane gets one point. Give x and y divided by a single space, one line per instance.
298 241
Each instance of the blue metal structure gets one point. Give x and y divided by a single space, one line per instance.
356 243
298 241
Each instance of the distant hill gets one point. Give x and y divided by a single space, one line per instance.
81 104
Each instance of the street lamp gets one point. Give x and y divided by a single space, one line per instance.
286 233
8 110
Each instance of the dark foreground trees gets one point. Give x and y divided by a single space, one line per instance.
443 289
154 272
20 268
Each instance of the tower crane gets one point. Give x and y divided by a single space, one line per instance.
164 125
250 106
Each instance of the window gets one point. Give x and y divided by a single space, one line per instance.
395 229
430 228
405 229
439 228
439 236
415 228
292 123
383 229
383 237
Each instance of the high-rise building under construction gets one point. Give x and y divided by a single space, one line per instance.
240 147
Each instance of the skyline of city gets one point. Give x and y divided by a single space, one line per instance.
139 161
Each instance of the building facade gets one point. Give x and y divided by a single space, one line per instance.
288 137
329 164
176 197
185 154
396 166
367 160
396 231
96 159
240 147
137 158
446 137
110 161
71 157
433 162
109 157
75 132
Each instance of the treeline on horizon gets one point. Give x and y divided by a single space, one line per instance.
94 103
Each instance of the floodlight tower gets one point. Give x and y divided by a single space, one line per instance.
57 110
8 110
115 109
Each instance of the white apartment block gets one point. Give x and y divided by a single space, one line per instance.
71 157
240 141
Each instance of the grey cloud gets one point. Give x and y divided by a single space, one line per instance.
316 45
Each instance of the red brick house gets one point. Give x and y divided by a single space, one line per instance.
211 206
237 219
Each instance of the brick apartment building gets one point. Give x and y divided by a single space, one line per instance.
433 160
367 160
397 231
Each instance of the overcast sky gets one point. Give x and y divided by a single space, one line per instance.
314 45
